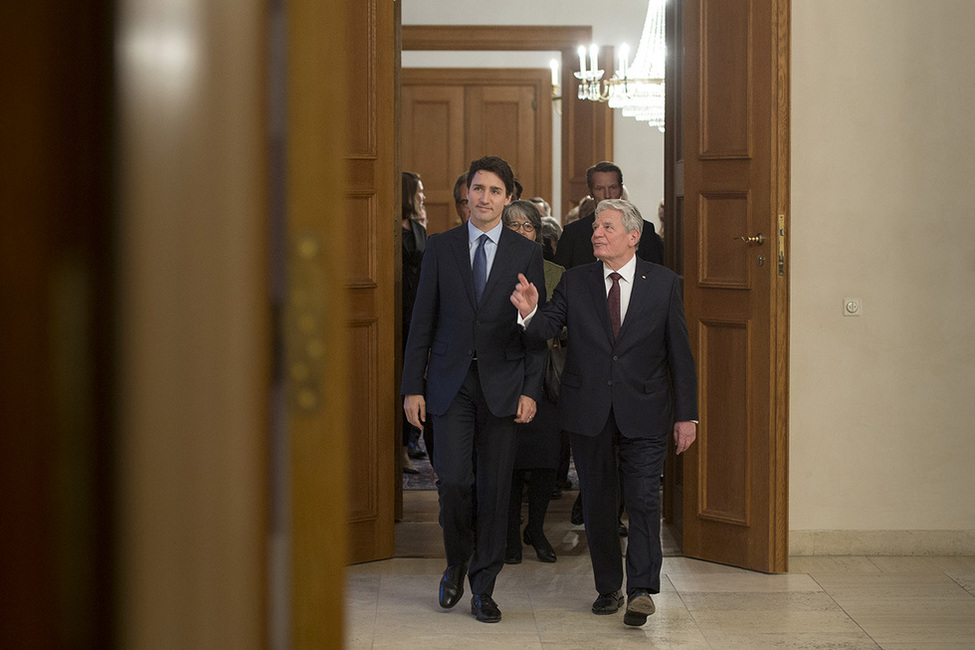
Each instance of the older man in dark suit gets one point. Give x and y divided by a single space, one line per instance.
466 364
629 380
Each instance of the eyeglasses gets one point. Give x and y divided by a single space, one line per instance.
521 225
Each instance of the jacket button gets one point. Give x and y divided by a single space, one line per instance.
615 358
609 383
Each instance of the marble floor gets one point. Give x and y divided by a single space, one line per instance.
823 602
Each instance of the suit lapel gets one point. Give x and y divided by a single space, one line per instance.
502 259
597 291
635 310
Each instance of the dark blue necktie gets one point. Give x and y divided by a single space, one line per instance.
480 268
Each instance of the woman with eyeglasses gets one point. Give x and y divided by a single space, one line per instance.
539 441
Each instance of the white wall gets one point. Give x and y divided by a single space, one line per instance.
883 189
639 149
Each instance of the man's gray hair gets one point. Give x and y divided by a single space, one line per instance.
632 219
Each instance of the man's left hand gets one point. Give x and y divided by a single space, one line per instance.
526 410
684 435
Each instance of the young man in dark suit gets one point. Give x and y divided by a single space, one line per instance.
466 365
628 382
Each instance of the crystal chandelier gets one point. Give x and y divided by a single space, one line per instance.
637 89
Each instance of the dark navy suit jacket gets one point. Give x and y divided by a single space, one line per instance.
646 375
448 327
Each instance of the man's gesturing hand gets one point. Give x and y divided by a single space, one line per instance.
525 296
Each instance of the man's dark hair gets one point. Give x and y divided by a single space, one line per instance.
411 182
496 166
461 180
604 166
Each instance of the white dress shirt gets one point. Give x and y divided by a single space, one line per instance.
490 246
628 270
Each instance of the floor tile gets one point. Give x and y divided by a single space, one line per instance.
742 581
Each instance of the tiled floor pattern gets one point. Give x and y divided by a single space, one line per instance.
893 603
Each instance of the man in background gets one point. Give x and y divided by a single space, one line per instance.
460 199
605 181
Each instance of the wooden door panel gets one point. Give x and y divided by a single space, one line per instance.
725 77
730 186
501 122
433 121
724 219
451 117
723 348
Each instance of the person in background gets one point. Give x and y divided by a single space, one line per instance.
460 199
414 241
549 237
605 181
660 218
540 440
544 208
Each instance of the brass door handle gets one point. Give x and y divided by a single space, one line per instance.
757 239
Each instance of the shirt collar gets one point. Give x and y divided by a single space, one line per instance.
627 271
473 233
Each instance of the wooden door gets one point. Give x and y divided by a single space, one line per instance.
451 117
371 271
735 153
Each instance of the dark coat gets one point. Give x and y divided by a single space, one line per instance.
449 328
640 374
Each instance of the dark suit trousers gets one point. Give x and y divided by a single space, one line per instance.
467 434
600 460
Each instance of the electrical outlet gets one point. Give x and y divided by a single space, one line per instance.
852 306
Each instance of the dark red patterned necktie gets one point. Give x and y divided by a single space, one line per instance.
614 303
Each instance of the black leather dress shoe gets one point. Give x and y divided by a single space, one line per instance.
485 609
452 585
608 603
639 607
543 549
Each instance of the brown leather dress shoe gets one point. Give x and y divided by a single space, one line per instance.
639 607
